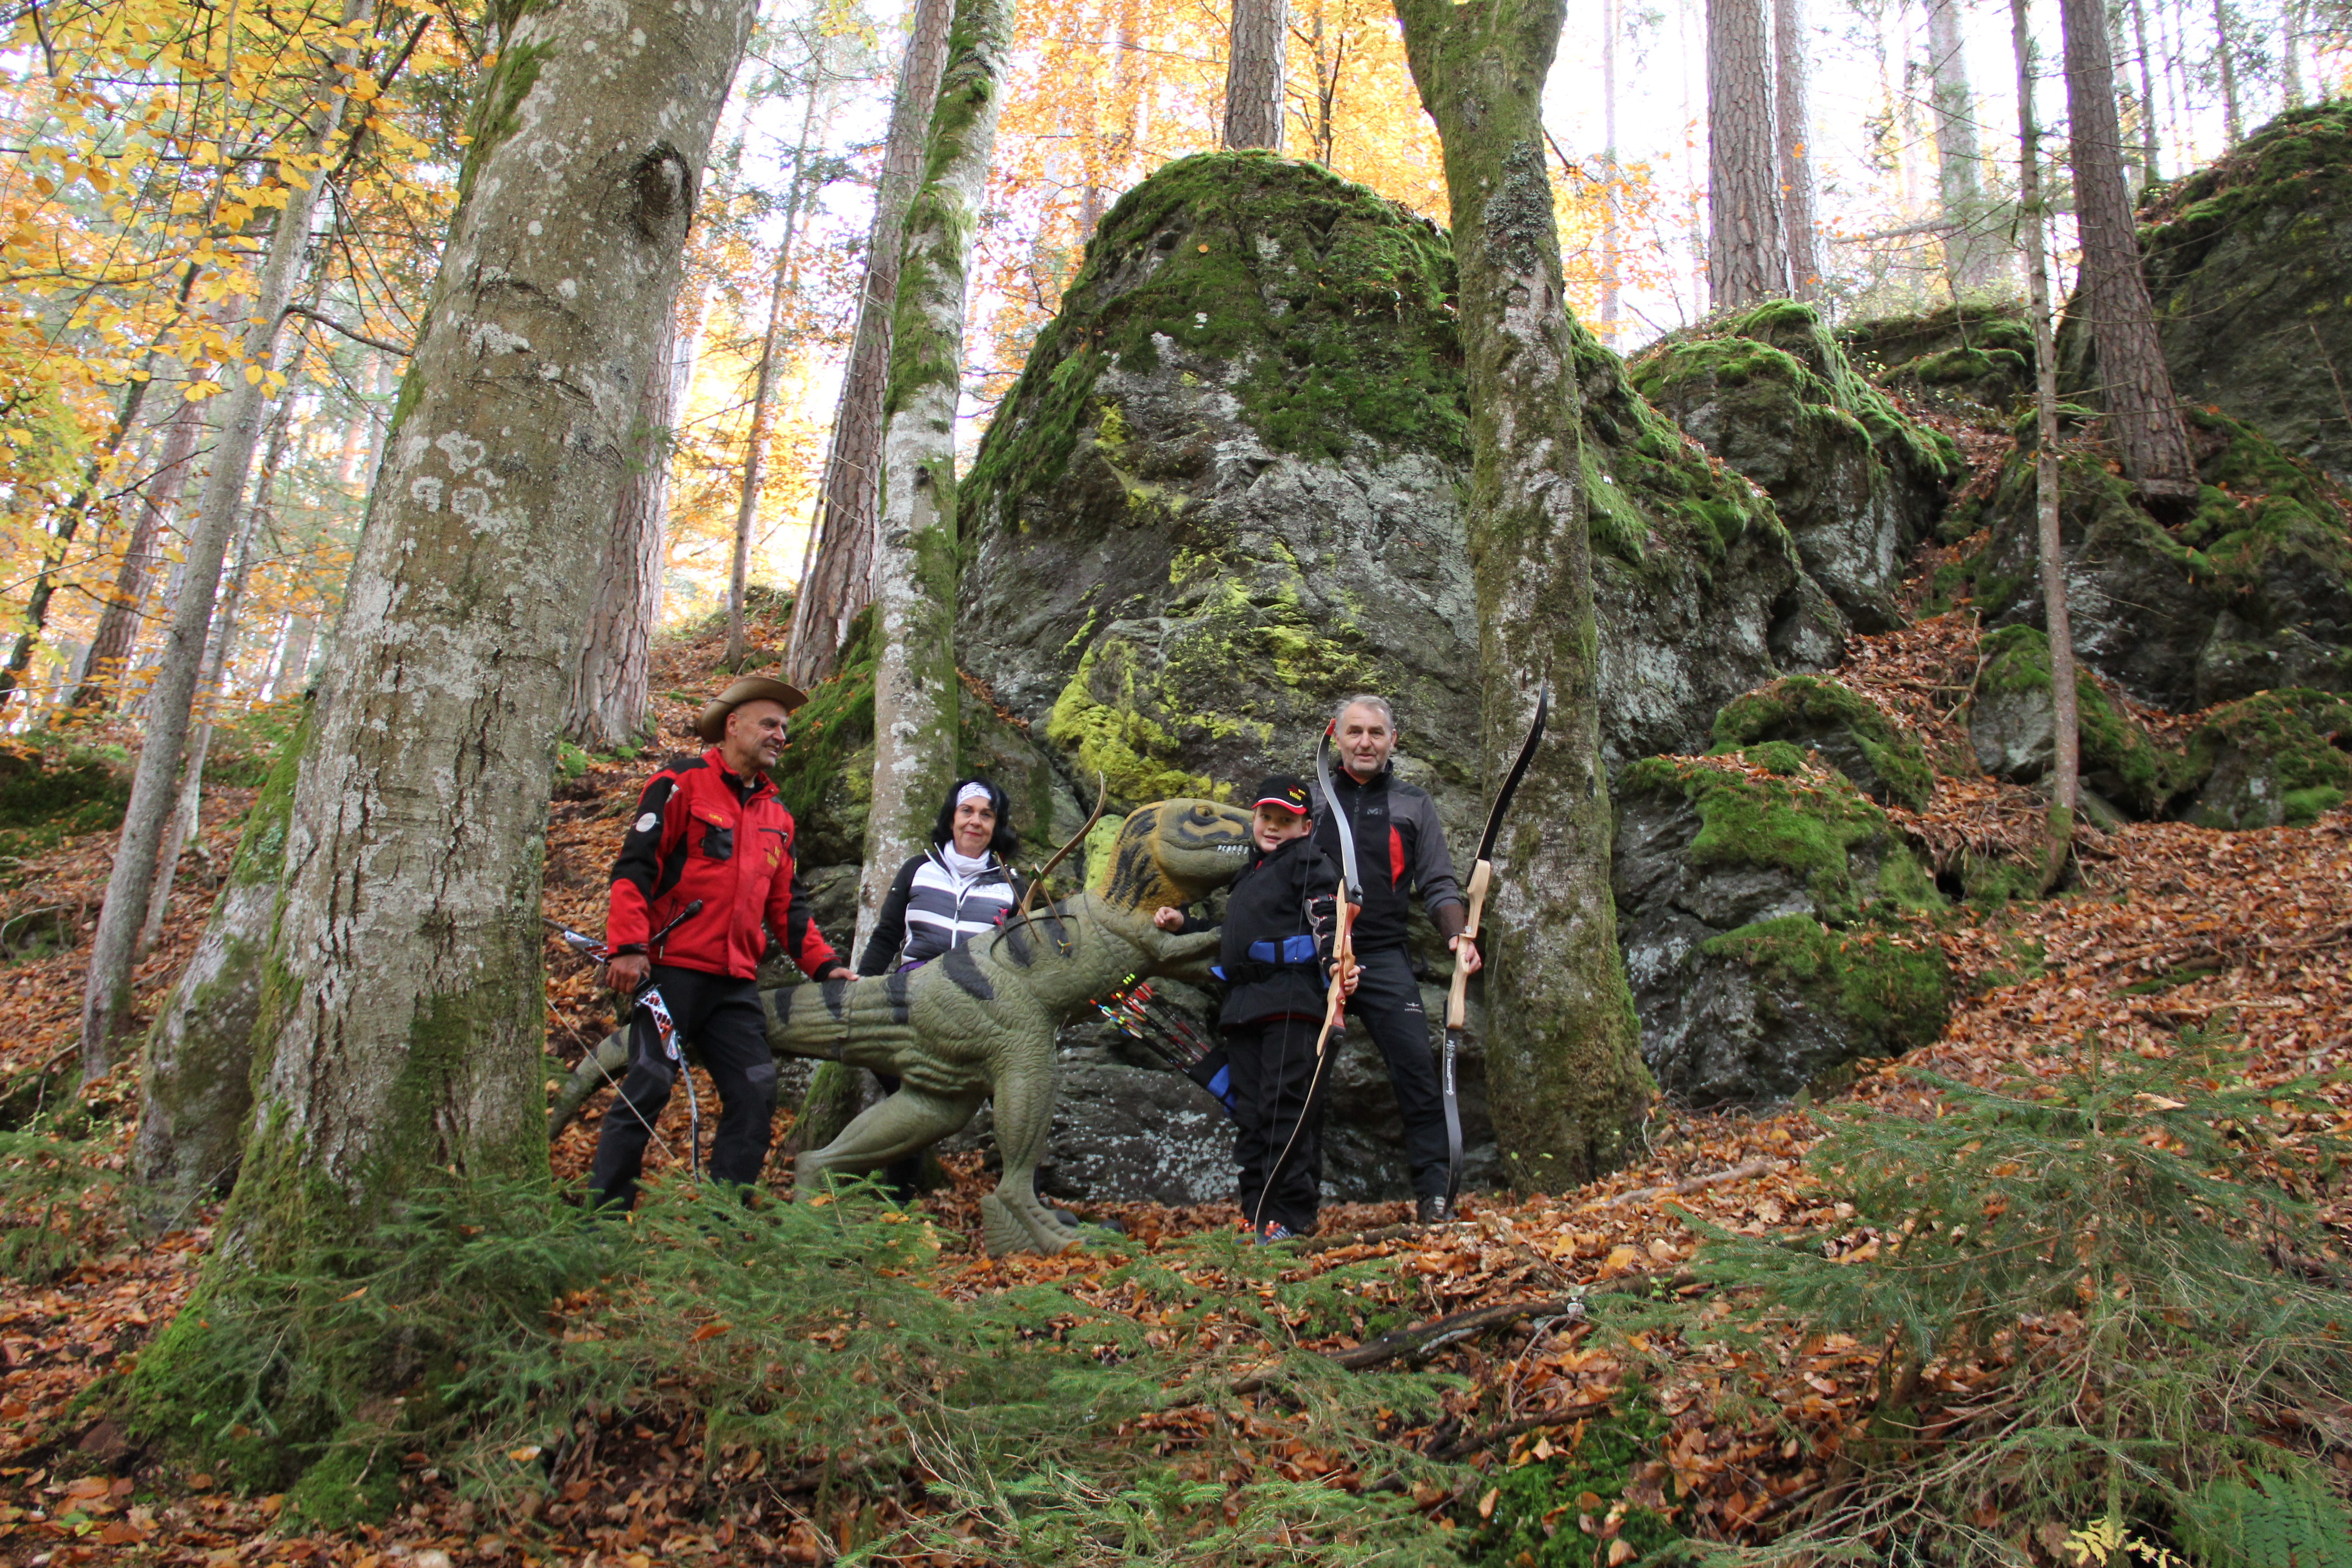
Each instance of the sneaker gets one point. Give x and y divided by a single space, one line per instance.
1434 1209
1275 1231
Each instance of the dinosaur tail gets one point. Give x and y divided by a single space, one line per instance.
602 1065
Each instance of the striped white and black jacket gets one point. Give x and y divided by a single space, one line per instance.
931 907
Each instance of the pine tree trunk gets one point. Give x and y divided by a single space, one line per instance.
1254 71
837 582
113 949
2066 765
1746 253
2233 129
915 690
1971 253
763 396
1564 1073
1794 126
117 623
2150 170
401 1020
196 1085
610 695
2136 386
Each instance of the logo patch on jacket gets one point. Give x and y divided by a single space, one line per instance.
648 822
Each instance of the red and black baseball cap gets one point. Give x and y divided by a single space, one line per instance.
1287 790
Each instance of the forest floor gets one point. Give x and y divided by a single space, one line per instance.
2163 926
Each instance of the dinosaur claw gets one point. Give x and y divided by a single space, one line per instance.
1016 1222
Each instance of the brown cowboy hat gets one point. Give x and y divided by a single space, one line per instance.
712 724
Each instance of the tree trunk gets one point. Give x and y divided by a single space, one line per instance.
916 690
1563 1068
2135 384
402 1018
763 394
1612 238
610 691
1972 252
1254 69
196 1086
2150 170
2290 53
117 623
1746 253
189 806
1794 123
2065 766
294 667
837 578
2233 129
113 951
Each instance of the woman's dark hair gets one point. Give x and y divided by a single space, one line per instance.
1005 842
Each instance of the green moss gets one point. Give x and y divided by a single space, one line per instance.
2293 741
52 788
2300 163
1114 738
1776 757
1824 713
2124 760
1898 994
819 777
354 1484
1532 1523
1810 825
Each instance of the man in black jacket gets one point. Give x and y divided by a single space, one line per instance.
1399 850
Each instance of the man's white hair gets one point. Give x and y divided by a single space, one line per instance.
1365 700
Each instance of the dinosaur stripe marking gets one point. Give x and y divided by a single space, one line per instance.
964 970
894 986
836 994
1016 937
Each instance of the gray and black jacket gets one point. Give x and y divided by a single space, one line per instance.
930 909
1400 849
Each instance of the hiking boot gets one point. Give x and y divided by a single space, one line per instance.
1434 1209
1275 1231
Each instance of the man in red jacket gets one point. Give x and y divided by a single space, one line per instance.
709 828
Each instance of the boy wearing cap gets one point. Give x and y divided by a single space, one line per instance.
1276 957
709 829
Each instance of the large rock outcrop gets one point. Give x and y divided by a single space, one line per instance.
1745 889
1223 494
2247 265
1856 482
2247 593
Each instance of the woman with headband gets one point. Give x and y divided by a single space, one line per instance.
963 885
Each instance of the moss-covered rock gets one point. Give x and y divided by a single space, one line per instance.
1759 900
53 786
1223 494
2248 593
2246 263
1886 763
1966 359
2275 759
2012 726
1855 480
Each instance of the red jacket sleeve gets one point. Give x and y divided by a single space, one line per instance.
652 838
788 917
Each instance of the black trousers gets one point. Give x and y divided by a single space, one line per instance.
1273 1063
722 1017
1388 1002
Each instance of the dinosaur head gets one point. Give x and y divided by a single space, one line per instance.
1174 852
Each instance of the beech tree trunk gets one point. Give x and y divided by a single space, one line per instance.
2290 53
1613 239
188 807
1563 1067
117 623
2233 125
836 576
610 693
2066 765
2135 384
1793 122
915 690
113 949
1971 253
195 1088
2150 170
763 393
401 1020
1747 252
1254 69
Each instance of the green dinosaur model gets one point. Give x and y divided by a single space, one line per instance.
978 1021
